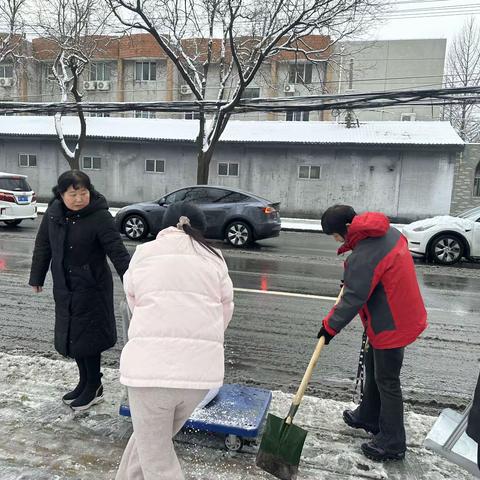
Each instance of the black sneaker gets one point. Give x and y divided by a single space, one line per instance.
69 397
90 396
372 451
350 419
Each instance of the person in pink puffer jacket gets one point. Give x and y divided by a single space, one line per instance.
181 298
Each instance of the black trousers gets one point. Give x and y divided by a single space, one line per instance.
382 403
89 369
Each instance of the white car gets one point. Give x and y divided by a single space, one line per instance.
446 239
17 199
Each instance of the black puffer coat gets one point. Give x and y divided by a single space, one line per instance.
76 245
473 428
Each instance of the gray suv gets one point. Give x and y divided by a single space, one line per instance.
236 216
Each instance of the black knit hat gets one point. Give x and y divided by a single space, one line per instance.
336 218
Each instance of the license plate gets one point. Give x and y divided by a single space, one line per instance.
22 199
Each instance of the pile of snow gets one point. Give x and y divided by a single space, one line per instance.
41 439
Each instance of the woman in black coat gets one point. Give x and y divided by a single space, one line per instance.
473 427
76 234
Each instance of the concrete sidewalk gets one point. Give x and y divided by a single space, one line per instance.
288 224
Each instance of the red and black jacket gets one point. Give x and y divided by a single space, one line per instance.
380 285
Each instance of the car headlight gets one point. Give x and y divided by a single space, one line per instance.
422 228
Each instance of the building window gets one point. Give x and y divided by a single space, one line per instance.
100 71
228 169
192 116
145 71
300 73
142 114
155 166
27 160
251 92
97 114
6 70
297 116
476 182
309 172
92 163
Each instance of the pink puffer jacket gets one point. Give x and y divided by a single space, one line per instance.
181 298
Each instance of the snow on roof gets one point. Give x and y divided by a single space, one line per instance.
371 133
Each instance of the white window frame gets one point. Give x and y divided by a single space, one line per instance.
28 155
309 172
104 68
98 115
300 79
91 157
3 66
144 114
191 116
149 79
302 113
156 161
228 169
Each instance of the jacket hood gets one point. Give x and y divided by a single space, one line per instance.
367 225
97 202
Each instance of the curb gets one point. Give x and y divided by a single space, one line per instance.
288 224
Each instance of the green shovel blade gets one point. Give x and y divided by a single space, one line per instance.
281 448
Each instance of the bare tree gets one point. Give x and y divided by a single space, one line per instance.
220 45
71 31
11 18
463 70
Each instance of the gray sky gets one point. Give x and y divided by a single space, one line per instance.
426 19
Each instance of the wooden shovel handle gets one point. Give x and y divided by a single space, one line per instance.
309 371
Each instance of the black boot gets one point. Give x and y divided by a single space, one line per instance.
69 397
374 452
93 391
91 395
351 420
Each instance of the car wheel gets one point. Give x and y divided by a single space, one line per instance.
446 249
12 223
238 234
135 227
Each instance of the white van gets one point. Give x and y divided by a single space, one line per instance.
17 199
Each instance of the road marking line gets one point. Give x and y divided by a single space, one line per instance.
285 294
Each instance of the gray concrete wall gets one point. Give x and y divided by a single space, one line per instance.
465 166
403 183
391 65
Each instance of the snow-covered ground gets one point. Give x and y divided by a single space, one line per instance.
41 439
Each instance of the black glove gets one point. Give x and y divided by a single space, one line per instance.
323 333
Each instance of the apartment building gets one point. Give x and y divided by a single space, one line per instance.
134 68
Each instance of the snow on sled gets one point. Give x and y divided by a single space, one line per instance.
448 438
237 412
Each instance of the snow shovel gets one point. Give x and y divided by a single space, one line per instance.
282 441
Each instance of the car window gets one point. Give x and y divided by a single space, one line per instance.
470 214
231 197
178 196
201 195
15 184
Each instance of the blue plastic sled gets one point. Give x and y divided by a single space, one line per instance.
237 412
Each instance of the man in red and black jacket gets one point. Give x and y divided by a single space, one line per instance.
381 286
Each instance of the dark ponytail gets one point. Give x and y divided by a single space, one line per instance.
71 178
197 226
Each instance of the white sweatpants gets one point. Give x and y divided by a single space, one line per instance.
158 414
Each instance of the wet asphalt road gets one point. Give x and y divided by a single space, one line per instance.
271 337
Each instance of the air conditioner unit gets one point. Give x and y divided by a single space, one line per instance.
103 85
89 85
408 117
185 90
6 82
289 88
